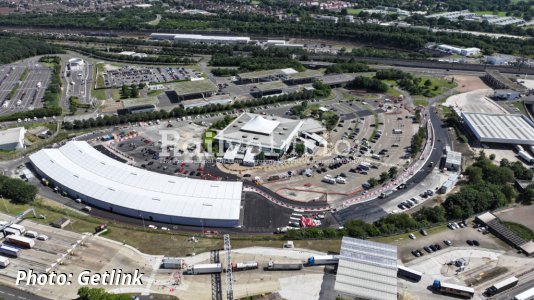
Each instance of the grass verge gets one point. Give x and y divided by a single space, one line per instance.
521 230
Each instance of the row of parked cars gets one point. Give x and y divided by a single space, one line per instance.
431 248
408 203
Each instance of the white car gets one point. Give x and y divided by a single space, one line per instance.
165 228
412 236
152 226
42 237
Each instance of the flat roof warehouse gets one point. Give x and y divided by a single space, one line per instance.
99 180
500 128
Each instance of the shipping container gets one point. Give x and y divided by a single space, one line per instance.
246 265
526 295
204 269
9 250
323 260
20 241
272 266
21 228
403 271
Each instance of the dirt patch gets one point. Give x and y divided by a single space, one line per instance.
468 83
521 214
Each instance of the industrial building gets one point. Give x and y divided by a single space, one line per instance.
264 75
453 159
268 89
458 50
186 90
98 180
12 139
367 270
76 64
272 135
200 39
500 128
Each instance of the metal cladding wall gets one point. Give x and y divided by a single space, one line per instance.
147 216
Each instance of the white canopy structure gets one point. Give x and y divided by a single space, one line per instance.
99 180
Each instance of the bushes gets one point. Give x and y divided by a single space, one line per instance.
370 84
417 141
15 48
17 190
349 67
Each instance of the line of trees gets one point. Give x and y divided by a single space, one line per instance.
348 67
368 83
17 190
14 48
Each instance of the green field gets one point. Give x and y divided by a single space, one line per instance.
439 85
353 11
498 13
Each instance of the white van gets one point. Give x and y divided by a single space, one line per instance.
86 208
31 234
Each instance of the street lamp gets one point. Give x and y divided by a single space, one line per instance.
141 215
5 205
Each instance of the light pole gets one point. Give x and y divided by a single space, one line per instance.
141 215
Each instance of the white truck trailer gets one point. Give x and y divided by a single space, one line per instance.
204 269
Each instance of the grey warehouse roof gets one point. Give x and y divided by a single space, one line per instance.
500 128
367 270
12 135
82 168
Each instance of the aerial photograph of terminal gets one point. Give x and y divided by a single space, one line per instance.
266 149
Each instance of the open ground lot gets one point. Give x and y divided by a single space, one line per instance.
22 86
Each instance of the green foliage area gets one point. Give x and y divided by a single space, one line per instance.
521 230
53 91
416 144
130 91
329 119
349 67
222 123
15 48
24 74
38 113
370 84
114 55
17 190
177 112
321 89
261 59
13 91
385 53
300 148
223 72
87 293
75 104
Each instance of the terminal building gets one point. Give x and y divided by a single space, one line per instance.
98 180
252 133
200 39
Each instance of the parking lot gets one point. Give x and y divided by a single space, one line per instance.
28 92
377 140
45 253
127 75
142 144
78 82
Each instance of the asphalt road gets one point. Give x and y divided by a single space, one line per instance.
9 293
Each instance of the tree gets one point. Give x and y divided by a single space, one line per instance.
300 148
428 83
17 190
134 91
372 182
384 176
260 156
492 156
392 172
86 293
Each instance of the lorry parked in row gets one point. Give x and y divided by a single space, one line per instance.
246 265
273 266
323 260
20 241
204 269
4 261
524 155
9 250
385 194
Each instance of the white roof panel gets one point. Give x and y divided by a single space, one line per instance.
82 168
501 128
259 124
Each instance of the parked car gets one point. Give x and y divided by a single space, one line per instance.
427 249
447 242
476 243
423 232
416 253
469 242
412 236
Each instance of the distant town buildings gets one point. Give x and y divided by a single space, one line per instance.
198 38
466 15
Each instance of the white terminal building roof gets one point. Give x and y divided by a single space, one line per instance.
80 167
264 131
367 270
501 128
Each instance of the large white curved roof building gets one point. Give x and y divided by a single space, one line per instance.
85 173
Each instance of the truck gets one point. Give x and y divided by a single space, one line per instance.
204 269
9 250
243 266
20 228
519 148
502 286
453 289
31 234
20 241
323 260
526 295
524 155
273 266
4 261
385 194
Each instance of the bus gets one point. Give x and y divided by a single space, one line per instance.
405 272
502 286
526 295
453 289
